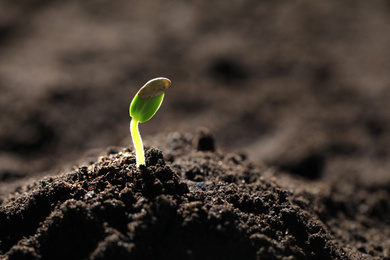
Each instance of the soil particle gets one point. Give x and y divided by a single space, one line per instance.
203 140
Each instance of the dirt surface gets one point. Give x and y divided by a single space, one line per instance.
295 94
195 204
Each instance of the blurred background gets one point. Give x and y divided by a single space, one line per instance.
301 85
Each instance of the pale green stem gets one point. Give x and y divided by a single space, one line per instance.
137 141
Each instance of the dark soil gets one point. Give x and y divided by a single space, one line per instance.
192 203
295 163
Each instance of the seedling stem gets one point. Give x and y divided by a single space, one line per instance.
137 141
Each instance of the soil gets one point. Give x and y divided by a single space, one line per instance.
193 202
293 162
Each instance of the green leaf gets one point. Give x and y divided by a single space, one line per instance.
148 99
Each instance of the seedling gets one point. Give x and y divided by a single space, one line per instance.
143 107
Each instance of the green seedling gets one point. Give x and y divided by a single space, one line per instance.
143 107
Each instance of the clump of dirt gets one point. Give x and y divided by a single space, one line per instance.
193 202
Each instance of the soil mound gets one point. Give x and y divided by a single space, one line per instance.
195 202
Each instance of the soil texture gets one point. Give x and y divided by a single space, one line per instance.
191 202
